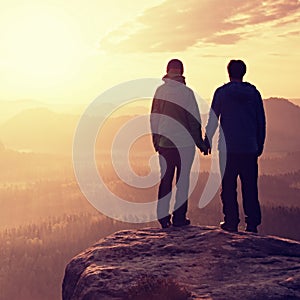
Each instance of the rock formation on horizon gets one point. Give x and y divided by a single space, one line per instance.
208 262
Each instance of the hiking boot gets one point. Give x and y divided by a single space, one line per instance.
251 228
184 222
228 227
165 222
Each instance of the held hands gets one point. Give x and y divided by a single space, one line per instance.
207 145
204 147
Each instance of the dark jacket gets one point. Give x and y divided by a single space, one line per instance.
173 100
239 108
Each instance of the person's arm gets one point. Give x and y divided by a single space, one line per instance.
261 125
213 119
194 123
154 121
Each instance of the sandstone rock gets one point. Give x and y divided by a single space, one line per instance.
208 262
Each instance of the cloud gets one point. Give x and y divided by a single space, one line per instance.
277 54
294 33
272 10
224 39
176 25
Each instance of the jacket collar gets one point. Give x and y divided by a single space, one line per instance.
174 77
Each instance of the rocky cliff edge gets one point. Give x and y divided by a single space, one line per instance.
207 262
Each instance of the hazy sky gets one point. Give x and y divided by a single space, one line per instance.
70 51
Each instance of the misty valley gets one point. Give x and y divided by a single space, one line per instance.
45 219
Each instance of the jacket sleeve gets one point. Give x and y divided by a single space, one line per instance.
261 125
154 121
213 118
194 121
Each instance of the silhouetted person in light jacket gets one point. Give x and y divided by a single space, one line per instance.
176 129
238 107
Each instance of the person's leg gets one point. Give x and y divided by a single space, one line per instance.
184 165
249 175
229 165
167 170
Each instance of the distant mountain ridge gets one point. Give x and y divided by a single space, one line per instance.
11 108
43 130
283 123
39 130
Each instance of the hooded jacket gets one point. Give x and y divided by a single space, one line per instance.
239 108
174 101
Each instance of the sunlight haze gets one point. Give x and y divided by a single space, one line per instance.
70 51
78 150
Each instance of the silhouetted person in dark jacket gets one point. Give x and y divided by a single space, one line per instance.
176 129
238 107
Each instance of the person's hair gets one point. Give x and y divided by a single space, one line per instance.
236 69
175 64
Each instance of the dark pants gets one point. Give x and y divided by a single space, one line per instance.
245 166
169 161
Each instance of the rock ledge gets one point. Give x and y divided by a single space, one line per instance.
208 262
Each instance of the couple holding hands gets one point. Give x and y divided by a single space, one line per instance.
237 108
